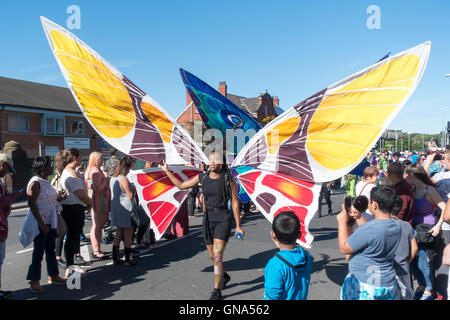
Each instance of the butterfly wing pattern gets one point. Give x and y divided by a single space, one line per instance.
283 165
159 197
274 193
216 110
327 135
121 113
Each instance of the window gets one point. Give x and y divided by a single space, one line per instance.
53 125
18 123
77 127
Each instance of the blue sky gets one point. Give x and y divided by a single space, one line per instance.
290 48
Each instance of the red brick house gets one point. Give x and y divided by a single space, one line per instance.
264 108
43 119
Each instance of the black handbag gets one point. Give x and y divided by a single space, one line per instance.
138 215
423 236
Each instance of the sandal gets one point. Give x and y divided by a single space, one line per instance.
98 254
131 263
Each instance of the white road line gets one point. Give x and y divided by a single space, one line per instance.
23 251
84 251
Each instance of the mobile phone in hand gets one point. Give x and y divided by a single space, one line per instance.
348 203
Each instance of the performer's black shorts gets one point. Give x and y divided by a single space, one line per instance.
216 230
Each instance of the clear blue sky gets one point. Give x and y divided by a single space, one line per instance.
291 48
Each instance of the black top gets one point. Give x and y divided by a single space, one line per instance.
212 191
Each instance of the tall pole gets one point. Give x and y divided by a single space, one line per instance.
409 142
396 138
443 128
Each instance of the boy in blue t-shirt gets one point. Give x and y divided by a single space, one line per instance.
288 273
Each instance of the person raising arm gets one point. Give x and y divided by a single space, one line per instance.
218 189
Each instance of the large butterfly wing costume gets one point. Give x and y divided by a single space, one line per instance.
326 136
281 167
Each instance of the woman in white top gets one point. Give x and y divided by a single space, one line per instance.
43 202
75 204
369 181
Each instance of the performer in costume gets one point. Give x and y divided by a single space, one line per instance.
218 189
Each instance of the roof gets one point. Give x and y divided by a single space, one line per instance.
248 104
36 95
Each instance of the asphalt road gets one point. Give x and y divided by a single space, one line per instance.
181 269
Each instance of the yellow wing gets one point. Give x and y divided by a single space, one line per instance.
327 135
123 115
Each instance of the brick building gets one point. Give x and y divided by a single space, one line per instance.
264 108
43 119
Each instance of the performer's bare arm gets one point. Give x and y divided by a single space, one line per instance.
180 184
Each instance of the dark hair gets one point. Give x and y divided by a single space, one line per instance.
384 196
40 163
361 203
68 156
419 173
286 227
396 168
396 154
398 204
113 151
406 163
124 166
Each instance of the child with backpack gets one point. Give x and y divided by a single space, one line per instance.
288 273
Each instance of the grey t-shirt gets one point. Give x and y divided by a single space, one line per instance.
375 243
404 248
72 184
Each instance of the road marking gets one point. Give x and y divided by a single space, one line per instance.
84 251
26 250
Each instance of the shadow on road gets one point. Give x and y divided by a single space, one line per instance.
322 234
104 281
256 261
335 269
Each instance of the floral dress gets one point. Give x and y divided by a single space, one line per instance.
47 201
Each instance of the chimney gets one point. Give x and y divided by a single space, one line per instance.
275 101
223 88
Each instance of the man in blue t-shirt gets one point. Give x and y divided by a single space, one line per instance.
372 246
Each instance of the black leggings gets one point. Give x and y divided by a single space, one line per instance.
74 217
140 232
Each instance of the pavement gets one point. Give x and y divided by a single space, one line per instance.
181 269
